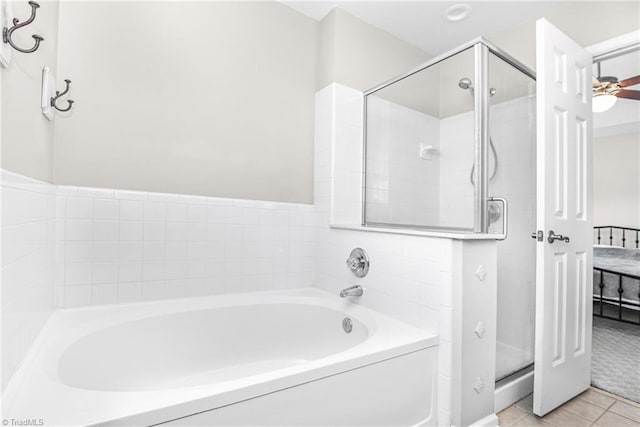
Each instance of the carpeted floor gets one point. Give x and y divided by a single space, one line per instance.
615 365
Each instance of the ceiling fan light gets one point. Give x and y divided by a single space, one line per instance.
603 102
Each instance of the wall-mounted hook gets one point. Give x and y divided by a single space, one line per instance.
8 32
59 94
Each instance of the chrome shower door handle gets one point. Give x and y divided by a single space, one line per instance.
505 216
552 237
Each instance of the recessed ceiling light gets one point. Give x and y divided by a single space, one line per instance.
457 12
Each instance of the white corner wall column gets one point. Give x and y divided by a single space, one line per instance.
474 320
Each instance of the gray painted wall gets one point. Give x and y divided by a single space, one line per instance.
26 136
208 98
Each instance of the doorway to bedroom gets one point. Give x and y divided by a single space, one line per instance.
616 234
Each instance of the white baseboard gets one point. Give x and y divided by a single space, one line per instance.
488 421
509 393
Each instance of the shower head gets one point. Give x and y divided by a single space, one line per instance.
465 83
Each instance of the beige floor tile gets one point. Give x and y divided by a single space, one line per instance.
626 410
526 404
597 398
563 418
628 402
584 409
530 420
510 416
609 419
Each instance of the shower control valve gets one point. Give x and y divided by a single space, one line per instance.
358 262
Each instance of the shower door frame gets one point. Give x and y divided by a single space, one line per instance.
482 48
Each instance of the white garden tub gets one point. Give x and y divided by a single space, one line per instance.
279 358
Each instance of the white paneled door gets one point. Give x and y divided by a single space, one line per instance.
564 218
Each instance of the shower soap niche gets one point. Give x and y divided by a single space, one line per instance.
427 152
48 92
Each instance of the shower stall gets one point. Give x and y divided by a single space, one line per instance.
451 147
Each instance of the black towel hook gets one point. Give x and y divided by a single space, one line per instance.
58 95
8 32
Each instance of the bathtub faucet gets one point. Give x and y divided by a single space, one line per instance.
352 291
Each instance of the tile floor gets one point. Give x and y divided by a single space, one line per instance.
594 407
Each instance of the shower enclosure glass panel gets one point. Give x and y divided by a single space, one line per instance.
512 172
444 141
420 147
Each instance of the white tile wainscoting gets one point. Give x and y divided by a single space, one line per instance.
123 246
66 246
28 252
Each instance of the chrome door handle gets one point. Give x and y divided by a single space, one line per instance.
552 237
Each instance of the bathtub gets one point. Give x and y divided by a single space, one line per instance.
264 358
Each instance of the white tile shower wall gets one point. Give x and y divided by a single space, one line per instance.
401 185
123 246
411 276
456 158
28 251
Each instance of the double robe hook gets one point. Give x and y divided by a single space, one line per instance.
58 95
8 32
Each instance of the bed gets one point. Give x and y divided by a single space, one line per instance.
616 273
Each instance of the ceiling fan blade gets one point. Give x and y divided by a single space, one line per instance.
629 94
595 82
632 81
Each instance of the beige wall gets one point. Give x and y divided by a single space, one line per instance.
220 107
616 180
210 98
360 55
26 136
604 20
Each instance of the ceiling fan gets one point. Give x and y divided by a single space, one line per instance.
606 90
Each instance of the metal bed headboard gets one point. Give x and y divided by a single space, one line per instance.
617 308
624 230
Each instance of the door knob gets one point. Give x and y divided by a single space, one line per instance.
552 237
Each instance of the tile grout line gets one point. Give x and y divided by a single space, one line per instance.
606 409
618 414
602 414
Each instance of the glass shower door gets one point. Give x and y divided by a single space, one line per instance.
512 172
